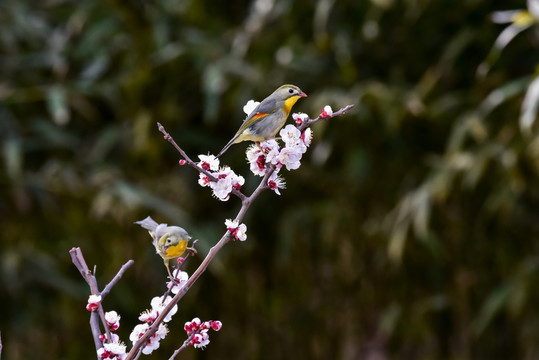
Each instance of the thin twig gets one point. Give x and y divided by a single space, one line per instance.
191 163
116 278
185 344
339 112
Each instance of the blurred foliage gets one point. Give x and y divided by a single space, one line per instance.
410 232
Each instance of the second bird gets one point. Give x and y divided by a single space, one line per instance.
268 117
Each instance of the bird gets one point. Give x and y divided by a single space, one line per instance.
170 242
268 117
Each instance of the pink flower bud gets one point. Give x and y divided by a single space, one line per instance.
216 325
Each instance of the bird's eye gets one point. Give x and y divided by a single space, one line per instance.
169 241
291 91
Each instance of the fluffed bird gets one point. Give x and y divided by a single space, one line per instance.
268 117
170 242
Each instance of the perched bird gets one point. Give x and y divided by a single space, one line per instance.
170 242
268 117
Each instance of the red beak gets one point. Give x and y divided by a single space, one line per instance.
302 94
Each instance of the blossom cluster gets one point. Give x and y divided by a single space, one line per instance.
148 317
113 348
289 156
239 231
198 331
227 179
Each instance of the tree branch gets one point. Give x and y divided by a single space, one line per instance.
339 112
116 278
78 260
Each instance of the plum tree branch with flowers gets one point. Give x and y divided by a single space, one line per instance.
266 160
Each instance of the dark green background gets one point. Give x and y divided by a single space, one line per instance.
410 231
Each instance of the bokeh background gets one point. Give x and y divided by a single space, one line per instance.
410 231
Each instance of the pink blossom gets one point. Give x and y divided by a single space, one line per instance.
216 325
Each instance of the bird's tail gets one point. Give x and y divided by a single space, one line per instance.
227 146
148 224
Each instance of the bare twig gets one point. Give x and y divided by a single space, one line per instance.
185 344
116 278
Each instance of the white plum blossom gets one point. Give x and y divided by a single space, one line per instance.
176 285
153 344
300 118
113 351
307 136
153 341
271 149
149 316
113 320
250 106
222 188
138 331
203 180
113 337
257 160
276 182
201 340
291 135
326 112
93 302
158 304
208 162
290 157
239 231
259 156
227 180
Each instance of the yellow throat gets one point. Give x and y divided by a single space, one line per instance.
290 102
